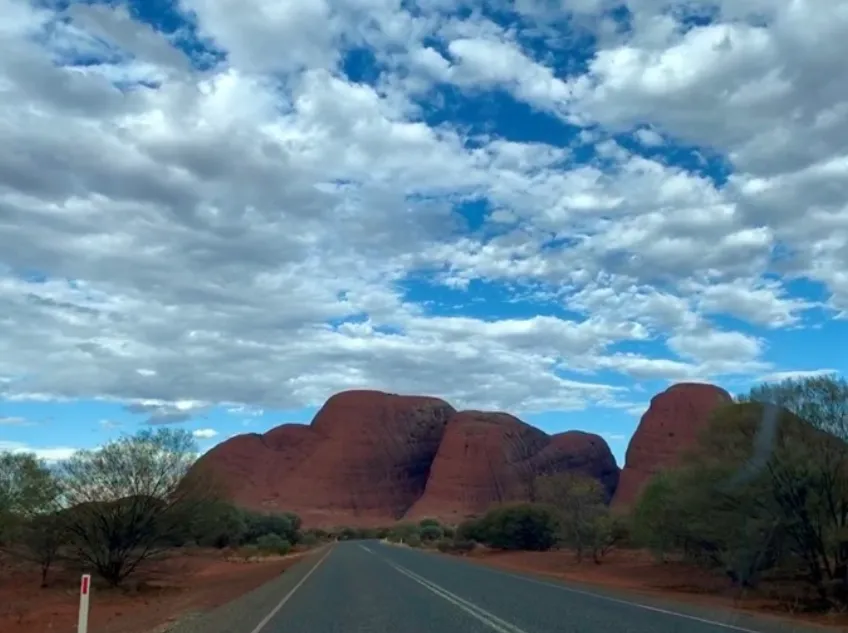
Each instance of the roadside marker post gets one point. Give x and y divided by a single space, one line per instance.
85 592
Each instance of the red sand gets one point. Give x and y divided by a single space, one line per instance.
182 584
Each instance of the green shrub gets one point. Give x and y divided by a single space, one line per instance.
431 533
471 530
309 540
520 527
273 544
348 534
403 531
413 540
445 545
285 525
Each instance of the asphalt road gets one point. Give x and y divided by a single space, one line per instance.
371 587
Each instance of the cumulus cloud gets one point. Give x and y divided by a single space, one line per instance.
204 434
48 454
220 215
797 374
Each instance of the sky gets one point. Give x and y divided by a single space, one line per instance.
216 213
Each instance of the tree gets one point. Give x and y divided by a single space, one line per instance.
518 527
809 473
132 499
285 525
41 539
27 489
765 488
657 520
579 501
220 525
607 533
31 526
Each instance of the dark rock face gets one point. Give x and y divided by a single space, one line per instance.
668 428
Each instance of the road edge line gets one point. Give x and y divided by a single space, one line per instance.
291 592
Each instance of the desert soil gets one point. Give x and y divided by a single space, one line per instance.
177 587
637 571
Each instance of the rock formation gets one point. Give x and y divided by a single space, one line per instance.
364 459
372 461
369 458
489 458
669 427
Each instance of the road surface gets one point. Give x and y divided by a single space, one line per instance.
372 587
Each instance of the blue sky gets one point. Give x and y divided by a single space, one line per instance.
215 214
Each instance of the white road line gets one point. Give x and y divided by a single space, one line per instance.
638 605
487 618
286 597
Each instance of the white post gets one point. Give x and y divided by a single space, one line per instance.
85 592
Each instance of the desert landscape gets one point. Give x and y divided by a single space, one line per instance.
414 471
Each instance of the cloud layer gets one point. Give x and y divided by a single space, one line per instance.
209 207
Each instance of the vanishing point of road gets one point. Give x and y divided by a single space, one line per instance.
373 587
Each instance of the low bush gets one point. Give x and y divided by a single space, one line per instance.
273 544
515 527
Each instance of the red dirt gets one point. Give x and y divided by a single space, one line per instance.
639 572
669 427
168 589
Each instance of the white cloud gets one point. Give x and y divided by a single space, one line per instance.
48 454
797 374
614 437
241 235
204 434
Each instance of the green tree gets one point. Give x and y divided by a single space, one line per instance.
258 524
579 501
766 487
519 527
656 520
28 488
219 524
41 539
807 469
132 499
31 525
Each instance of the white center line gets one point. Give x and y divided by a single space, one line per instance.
475 611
